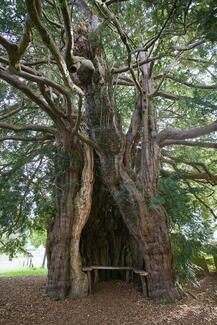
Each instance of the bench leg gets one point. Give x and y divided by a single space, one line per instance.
89 282
144 286
96 276
127 275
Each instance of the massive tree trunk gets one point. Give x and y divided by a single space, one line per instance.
133 192
129 163
73 185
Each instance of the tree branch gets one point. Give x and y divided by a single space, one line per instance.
68 30
52 22
26 38
124 83
22 66
188 84
79 115
197 165
124 39
202 202
153 40
195 60
39 62
189 143
110 2
89 142
134 65
55 111
189 47
14 51
193 176
53 84
164 94
206 176
132 136
11 113
9 46
202 171
186 134
165 73
15 82
30 127
49 42
20 138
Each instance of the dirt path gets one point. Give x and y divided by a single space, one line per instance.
116 303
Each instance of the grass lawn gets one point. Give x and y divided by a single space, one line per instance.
23 272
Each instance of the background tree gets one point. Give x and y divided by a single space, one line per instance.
78 85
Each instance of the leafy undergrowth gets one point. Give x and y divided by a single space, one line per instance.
23 272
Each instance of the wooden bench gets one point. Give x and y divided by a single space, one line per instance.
89 269
141 273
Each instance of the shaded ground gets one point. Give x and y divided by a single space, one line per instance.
22 301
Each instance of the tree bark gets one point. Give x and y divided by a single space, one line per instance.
155 244
83 201
149 228
73 201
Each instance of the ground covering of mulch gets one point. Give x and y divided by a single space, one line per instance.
23 301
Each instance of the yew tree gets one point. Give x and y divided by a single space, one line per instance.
111 89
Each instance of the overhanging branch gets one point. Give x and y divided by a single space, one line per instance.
164 94
202 202
188 84
190 46
22 66
30 139
30 127
186 134
212 179
189 143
